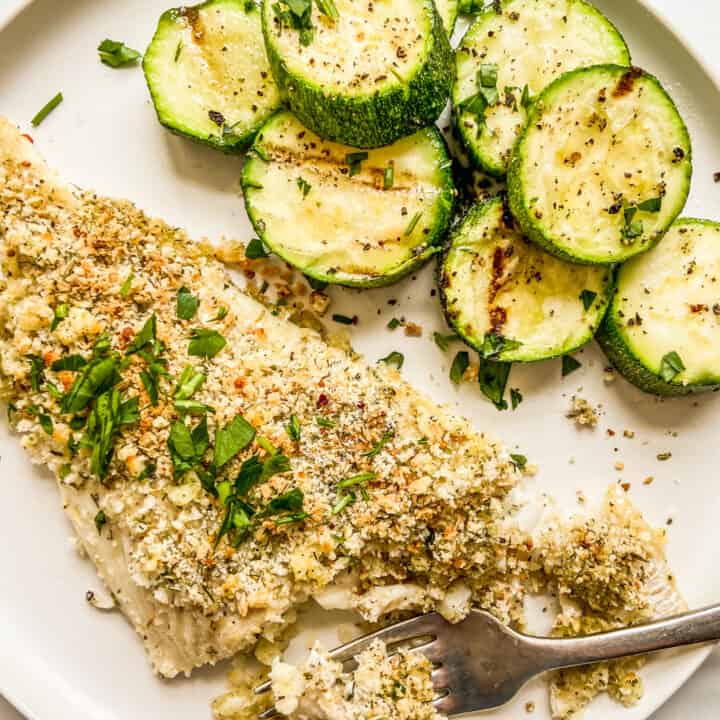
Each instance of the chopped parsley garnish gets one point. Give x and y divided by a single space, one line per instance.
443 341
569 365
324 422
127 285
231 439
315 284
205 343
192 407
520 461
394 323
328 8
384 440
515 398
304 185
46 109
178 51
187 304
492 378
37 372
60 313
588 298
94 378
187 447
354 161
343 319
117 54
345 501
652 205
394 358
294 429
413 224
100 521
297 15
671 366
221 314
526 100
359 479
488 75
146 338
459 365
388 177
108 415
494 345
44 419
255 250
189 383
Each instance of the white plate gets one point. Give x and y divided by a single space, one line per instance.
61 659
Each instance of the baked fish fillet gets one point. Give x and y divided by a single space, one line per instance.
369 495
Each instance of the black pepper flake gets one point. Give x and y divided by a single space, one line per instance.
217 117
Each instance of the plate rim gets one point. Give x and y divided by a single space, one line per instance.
21 693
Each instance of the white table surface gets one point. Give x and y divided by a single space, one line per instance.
698 22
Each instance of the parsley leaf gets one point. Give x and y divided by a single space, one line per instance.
443 341
569 365
652 205
69 362
494 345
206 343
294 429
671 366
355 160
493 377
255 249
94 379
304 185
60 313
116 54
37 372
520 461
384 440
459 365
588 298
187 304
231 439
396 359
147 337
189 383
515 398
100 520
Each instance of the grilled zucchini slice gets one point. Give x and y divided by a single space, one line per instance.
603 166
208 73
512 301
448 10
661 331
512 52
373 73
357 218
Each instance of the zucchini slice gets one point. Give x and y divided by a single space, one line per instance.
208 73
375 72
603 167
512 52
448 10
661 331
512 301
343 216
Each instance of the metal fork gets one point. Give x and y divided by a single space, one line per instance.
481 664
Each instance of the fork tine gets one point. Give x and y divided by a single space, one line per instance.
399 632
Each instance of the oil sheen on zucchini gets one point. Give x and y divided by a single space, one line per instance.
667 308
368 75
508 298
603 166
208 73
344 216
513 51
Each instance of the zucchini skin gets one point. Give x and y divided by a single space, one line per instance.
482 160
444 211
519 204
474 214
235 146
378 119
612 341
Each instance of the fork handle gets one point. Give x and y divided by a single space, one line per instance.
690 628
